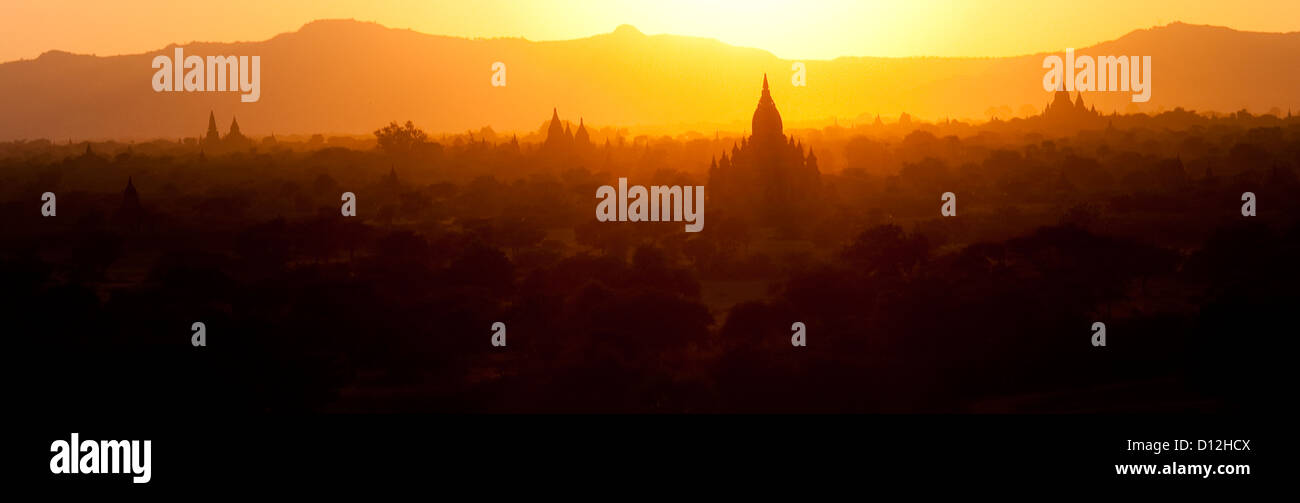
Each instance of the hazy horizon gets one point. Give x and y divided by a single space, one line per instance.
813 31
615 28
347 77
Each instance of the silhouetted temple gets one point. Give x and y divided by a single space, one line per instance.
213 137
131 215
130 198
767 175
233 140
1063 110
582 138
558 138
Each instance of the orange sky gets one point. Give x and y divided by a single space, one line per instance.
809 29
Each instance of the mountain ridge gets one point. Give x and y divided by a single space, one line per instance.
635 31
348 76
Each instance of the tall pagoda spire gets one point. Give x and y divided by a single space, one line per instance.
213 135
554 133
130 198
582 137
767 120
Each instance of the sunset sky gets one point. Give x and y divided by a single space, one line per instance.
809 29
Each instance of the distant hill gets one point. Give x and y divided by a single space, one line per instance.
343 76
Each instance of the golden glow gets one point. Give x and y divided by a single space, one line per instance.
810 29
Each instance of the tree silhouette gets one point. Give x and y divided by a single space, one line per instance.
400 140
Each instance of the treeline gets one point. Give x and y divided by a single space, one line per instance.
905 310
